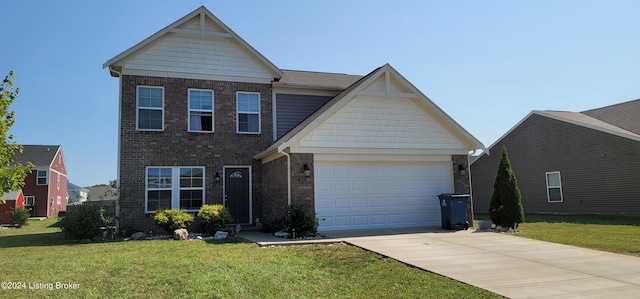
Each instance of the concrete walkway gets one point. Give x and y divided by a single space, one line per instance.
508 265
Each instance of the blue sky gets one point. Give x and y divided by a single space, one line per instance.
485 63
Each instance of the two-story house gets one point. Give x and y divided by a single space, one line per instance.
45 188
206 118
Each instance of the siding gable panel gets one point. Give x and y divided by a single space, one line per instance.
205 56
378 123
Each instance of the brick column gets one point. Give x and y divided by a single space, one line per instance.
462 181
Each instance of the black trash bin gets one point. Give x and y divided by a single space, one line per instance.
453 208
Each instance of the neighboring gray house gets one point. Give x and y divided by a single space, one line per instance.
205 118
570 162
76 193
97 193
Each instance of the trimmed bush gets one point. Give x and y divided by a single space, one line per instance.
505 207
19 217
213 217
300 217
173 219
83 223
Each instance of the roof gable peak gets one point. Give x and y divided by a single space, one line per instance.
202 24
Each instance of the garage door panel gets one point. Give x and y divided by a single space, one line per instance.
379 194
359 203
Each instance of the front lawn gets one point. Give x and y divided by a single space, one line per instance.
38 256
617 234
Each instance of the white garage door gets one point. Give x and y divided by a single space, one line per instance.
358 195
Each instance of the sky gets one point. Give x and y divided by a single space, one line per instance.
487 64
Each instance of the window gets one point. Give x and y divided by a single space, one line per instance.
59 200
554 187
29 201
175 188
58 181
42 177
150 108
200 110
248 116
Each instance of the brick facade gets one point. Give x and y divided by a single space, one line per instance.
274 174
275 184
175 146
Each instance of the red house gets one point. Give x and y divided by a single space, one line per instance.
45 188
13 199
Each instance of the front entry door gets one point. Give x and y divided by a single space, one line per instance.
237 193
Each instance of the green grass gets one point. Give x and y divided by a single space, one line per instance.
198 269
617 234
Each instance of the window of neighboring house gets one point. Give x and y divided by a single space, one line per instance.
58 181
175 188
29 200
554 187
248 112
150 108
200 110
59 200
42 177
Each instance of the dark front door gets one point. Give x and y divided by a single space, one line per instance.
237 193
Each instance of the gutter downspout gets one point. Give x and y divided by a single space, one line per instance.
288 175
118 193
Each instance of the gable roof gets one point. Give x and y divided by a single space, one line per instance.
11 195
39 155
101 193
386 71
604 122
203 12
624 115
317 80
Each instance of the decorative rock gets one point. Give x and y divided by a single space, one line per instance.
181 234
138 236
220 235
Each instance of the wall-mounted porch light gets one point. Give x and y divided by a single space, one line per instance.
216 177
306 170
461 169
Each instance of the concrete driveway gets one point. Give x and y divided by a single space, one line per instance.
508 265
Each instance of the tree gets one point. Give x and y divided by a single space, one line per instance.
505 208
113 184
11 174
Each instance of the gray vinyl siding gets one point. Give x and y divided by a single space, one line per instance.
600 172
291 109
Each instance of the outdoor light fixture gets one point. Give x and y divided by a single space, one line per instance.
306 170
216 177
462 170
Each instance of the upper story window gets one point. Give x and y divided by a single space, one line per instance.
58 181
200 110
554 187
248 112
174 188
150 108
42 177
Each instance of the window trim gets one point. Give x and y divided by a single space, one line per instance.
33 200
189 110
38 177
554 187
148 108
175 187
238 112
